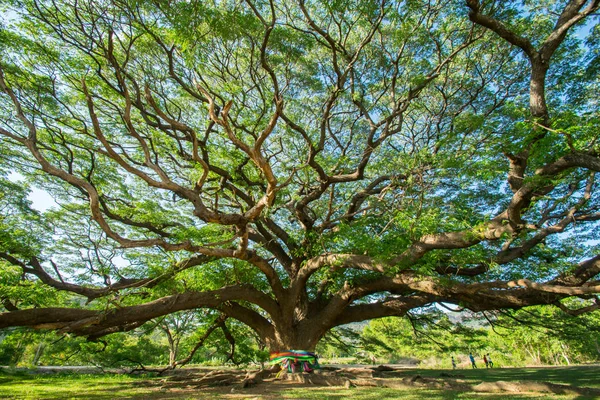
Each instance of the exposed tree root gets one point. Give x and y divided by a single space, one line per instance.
256 377
319 379
212 378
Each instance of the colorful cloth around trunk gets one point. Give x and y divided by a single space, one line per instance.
296 360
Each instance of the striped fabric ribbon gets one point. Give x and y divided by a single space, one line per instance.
295 360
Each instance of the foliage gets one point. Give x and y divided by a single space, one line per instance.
145 348
293 167
535 336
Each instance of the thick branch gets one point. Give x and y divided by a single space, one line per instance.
499 28
88 322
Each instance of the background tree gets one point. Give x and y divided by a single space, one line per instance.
176 327
428 340
539 335
303 165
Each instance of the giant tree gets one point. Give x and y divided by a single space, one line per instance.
300 165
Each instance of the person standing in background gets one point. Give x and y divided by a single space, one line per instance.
472 361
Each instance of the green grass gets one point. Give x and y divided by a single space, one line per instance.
71 386
582 376
96 387
412 394
587 376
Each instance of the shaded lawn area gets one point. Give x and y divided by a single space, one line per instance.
366 393
583 375
106 386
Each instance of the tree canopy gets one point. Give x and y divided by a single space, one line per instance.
296 165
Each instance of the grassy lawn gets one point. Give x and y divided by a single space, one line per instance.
582 376
419 394
74 386
588 376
